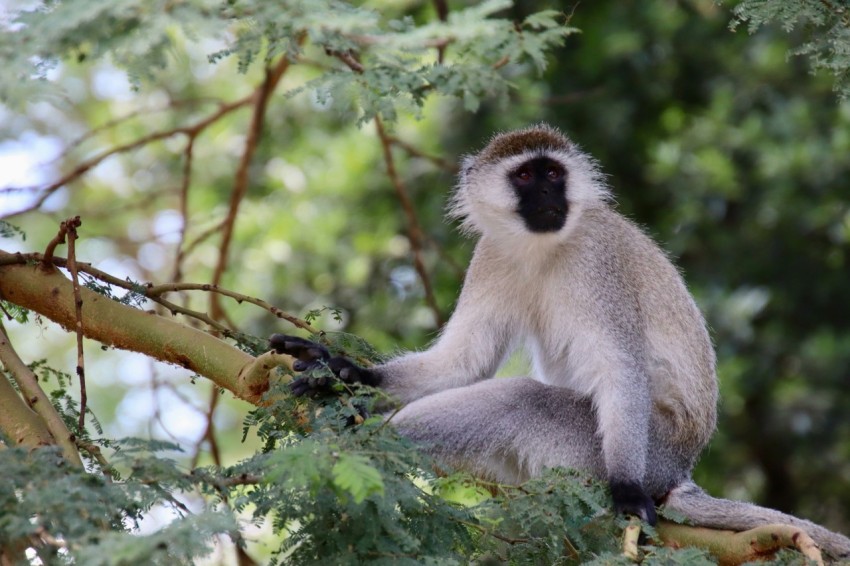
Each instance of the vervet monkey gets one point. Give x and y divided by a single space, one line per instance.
624 383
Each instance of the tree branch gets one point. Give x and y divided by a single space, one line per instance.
85 166
442 7
51 294
18 422
38 423
154 292
416 152
71 225
184 208
730 547
414 231
240 182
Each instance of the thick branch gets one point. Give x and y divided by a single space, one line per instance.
18 422
50 294
155 292
731 548
35 422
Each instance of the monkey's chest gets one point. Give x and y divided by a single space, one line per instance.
568 357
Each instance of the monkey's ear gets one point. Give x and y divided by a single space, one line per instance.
467 165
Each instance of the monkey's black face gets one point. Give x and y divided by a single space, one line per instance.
540 184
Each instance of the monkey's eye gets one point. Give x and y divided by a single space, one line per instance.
523 174
554 173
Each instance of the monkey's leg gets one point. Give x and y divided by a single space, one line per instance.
506 430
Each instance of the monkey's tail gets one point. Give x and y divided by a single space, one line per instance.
703 510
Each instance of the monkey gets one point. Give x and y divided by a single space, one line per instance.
624 383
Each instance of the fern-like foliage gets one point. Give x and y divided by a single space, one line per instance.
373 66
827 23
333 492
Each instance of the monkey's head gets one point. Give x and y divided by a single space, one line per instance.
529 182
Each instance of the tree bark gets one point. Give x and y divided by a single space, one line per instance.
46 291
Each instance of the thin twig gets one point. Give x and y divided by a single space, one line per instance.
209 434
96 453
72 224
240 181
369 40
349 59
109 124
184 208
414 231
416 152
175 309
493 534
452 263
442 8
153 291
203 237
85 166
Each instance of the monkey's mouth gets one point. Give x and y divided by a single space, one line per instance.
547 219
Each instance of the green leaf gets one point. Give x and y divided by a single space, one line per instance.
353 473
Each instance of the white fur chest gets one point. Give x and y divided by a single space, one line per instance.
559 330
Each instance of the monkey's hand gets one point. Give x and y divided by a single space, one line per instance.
312 356
630 499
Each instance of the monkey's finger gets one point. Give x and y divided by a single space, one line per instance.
344 369
300 348
284 344
301 365
300 386
312 386
316 352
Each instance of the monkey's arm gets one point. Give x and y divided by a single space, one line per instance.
470 348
